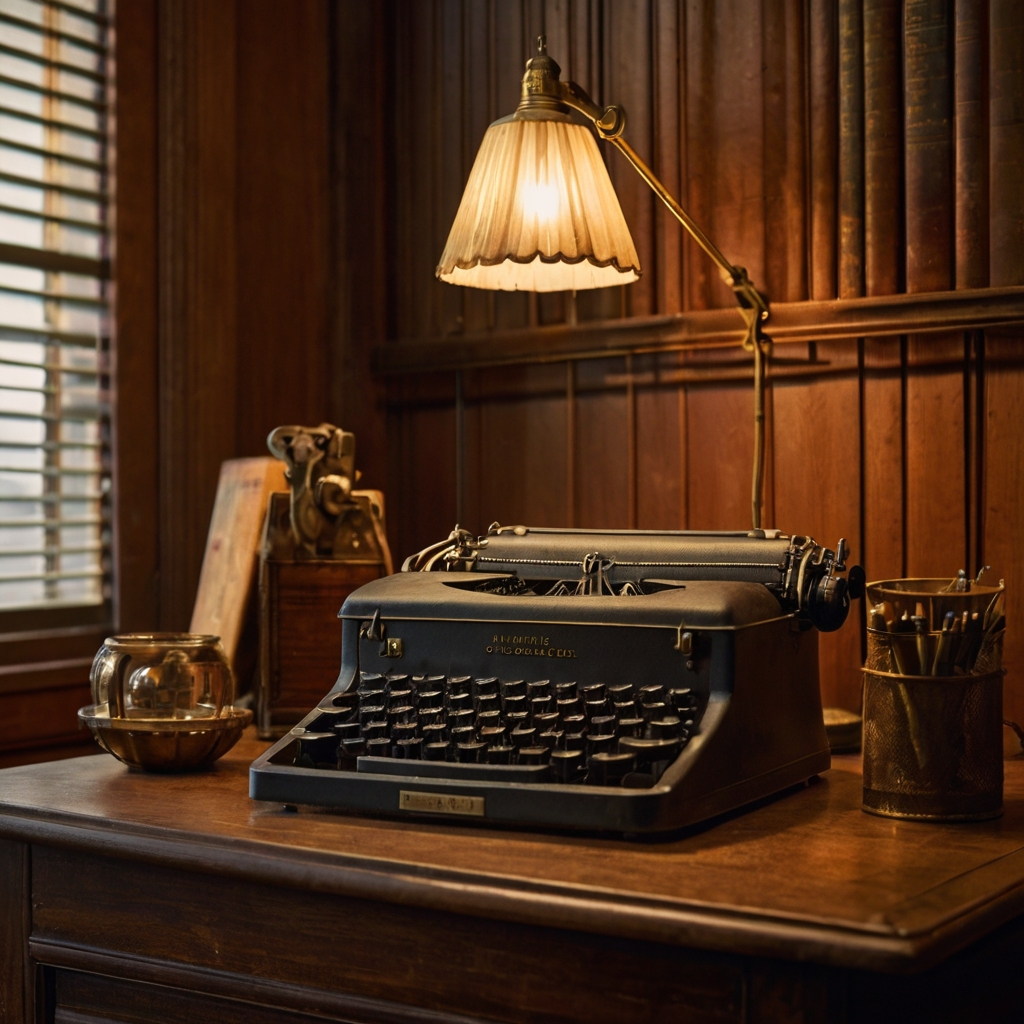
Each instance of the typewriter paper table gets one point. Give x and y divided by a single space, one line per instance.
144 898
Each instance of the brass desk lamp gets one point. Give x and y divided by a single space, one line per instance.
539 213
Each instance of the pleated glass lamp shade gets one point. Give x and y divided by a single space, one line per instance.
539 214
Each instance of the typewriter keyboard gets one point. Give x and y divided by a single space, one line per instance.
541 731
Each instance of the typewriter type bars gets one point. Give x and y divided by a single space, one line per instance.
603 734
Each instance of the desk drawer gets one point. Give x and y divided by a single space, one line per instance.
376 961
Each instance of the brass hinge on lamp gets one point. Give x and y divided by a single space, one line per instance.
539 214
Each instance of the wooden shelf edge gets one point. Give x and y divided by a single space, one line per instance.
791 322
877 947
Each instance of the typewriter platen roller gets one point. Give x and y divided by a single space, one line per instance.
623 680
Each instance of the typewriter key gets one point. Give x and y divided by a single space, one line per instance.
407 713
462 734
541 705
601 744
436 732
488 702
431 699
608 769
683 699
656 709
667 728
430 716
353 748
404 731
471 753
568 766
464 716
485 687
569 706
328 718
417 682
487 719
534 755
550 739
499 754
380 747
455 684
347 700
315 748
653 754
517 703
595 691
460 702
514 688
410 749
435 751
517 718
548 720
434 682
541 688
400 681
620 693
401 699
523 736
372 698
573 740
654 693
630 727
374 730
348 730
603 725
597 708
371 681
493 735
565 691
575 723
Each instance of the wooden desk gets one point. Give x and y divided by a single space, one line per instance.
145 898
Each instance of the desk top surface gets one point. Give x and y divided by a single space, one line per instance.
805 876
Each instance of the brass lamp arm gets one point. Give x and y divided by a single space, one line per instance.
610 122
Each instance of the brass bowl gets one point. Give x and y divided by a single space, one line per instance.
165 745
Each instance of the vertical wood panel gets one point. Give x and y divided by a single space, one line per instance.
1004 500
936 474
16 997
851 149
882 446
701 146
282 115
883 148
628 54
1006 113
823 169
659 493
669 158
602 434
971 120
785 243
720 452
817 454
136 404
929 83
197 284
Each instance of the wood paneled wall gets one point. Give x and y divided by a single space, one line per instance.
836 148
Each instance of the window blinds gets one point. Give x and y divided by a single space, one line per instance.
54 419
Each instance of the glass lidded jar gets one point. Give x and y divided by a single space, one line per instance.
163 677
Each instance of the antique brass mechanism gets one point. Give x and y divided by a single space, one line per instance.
545 97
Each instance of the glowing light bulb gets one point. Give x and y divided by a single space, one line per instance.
540 201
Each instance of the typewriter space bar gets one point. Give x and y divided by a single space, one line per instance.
453 770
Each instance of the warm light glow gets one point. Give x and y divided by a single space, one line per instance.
539 214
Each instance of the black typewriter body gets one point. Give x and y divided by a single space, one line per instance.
621 681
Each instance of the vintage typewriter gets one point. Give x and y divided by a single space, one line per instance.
633 681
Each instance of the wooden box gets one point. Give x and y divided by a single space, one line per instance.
300 632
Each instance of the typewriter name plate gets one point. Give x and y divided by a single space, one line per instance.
440 803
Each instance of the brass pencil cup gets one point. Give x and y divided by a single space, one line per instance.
933 745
